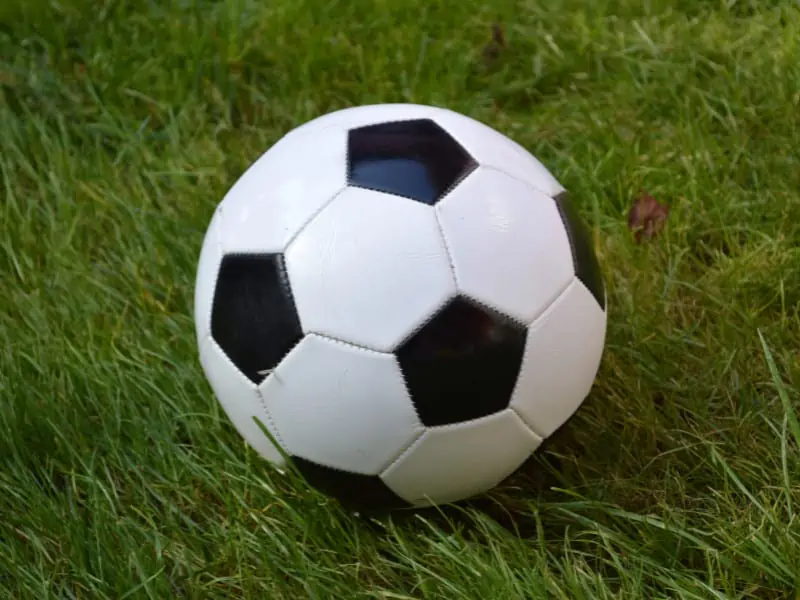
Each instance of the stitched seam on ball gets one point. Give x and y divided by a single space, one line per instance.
459 424
269 372
493 310
272 425
422 324
255 388
313 216
532 429
438 198
301 135
472 166
405 452
556 300
418 433
553 300
283 275
524 181
448 252
336 340
379 191
530 453
526 352
410 398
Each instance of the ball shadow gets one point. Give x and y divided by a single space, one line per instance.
574 460
536 480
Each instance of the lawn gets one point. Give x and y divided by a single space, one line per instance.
123 124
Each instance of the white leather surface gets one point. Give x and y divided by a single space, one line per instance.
369 269
206 277
507 243
283 190
456 461
239 398
341 406
562 356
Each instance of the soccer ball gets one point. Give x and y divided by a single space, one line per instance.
406 301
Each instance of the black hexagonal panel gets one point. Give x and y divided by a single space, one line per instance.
587 268
253 317
416 159
463 364
353 490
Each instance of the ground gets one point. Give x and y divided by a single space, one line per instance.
124 123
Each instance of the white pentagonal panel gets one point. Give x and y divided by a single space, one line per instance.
341 406
508 244
562 357
369 269
206 277
240 399
491 148
454 462
283 190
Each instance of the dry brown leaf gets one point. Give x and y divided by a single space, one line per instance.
647 217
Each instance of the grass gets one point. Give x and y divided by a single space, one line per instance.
122 125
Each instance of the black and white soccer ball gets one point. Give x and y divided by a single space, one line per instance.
406 300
